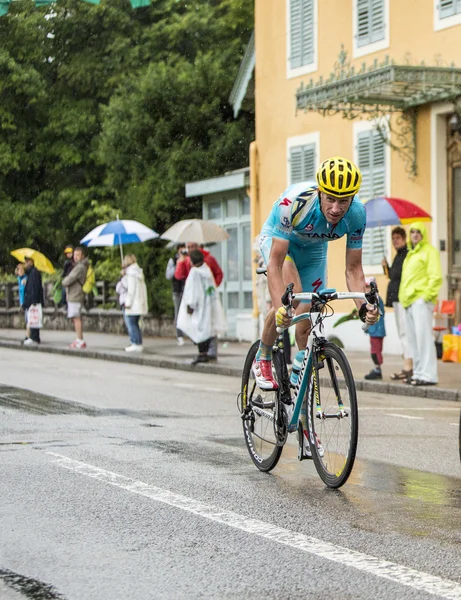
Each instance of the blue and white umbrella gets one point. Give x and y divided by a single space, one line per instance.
117 233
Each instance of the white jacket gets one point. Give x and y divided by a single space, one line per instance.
136 297
208 318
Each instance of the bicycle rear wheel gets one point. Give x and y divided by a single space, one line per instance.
332 415
259 413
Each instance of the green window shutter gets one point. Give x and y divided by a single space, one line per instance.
301 33
370 21
4 7
296 164
448 8
92 1
377 20
39 3
372 163
309 162
308 32
295 33
302 163
363 22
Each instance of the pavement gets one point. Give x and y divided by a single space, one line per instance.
165 353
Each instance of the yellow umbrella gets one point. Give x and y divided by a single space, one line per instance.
40 260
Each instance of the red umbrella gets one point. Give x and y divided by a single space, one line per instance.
393 211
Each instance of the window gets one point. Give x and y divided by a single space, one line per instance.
370 21
231 210
302 33
372 162
301 37
370 24
447 13
302 163
448 8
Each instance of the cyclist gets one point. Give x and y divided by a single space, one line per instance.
294 242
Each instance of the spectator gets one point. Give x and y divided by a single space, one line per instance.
33 296
183 267
377 333
135 302
178 288
121 289
67 268
394 272
74 283
200 314
20 272
419 288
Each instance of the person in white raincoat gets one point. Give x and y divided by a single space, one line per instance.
200 315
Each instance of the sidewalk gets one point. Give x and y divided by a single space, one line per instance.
164 353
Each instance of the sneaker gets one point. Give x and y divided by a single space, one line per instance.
262 370
78 345
180 341
201 358
307 447
134 348
374 374
29 342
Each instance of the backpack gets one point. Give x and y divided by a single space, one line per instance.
90 280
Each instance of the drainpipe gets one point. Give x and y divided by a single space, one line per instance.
255 227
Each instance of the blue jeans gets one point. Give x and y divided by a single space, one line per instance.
132 324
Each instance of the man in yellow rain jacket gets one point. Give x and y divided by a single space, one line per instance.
419 288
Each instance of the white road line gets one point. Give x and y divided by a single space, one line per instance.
403 416
197 388
412 408
455 424
419 580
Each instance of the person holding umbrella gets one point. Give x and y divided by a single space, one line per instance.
33 297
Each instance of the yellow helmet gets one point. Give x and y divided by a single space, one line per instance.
339 177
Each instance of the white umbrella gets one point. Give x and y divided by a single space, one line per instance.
195 231
118 232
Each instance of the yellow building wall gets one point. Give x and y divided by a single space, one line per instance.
412 39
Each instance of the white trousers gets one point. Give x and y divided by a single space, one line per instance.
399 313
418 319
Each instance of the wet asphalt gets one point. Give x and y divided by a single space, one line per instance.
81 530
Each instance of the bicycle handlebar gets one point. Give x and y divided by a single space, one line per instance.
371 297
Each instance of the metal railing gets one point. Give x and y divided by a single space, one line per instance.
105 298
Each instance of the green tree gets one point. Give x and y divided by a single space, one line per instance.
106 109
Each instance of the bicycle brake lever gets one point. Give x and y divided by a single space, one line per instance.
288 295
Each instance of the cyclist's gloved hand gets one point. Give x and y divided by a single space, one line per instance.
369 314
281 317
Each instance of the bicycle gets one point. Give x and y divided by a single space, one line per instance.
330 402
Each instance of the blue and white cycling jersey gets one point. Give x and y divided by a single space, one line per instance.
296 217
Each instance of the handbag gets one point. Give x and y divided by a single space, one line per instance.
35 316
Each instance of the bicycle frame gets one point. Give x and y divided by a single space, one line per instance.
316 331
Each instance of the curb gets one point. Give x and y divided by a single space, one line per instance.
150 361
434 393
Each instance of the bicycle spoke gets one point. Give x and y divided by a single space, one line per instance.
333 419
259 418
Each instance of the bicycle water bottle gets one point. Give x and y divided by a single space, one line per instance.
296 368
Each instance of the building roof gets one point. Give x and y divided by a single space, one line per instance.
230 181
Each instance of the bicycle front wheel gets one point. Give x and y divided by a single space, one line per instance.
258 415
332 416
